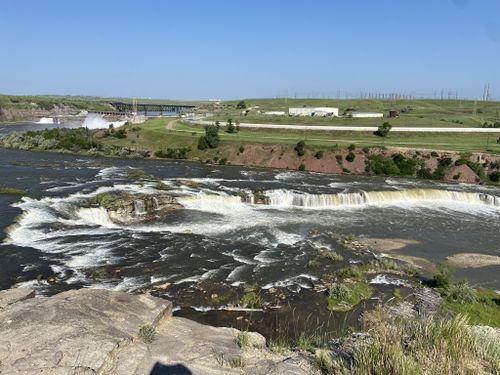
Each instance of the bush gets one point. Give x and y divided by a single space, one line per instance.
230 128
383 130
494 176
351 147
434 154
173 153
241 149
241 105
120 133
350 157
300 148
319 154
302 167
339 159
462 292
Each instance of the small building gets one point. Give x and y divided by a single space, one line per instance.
313 111
366 115
393 113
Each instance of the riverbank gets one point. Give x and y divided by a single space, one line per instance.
101 332
162 138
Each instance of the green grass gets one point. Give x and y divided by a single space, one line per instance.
421 112
343 297
11 191
425 346
147 333
484 311
154 136
243 339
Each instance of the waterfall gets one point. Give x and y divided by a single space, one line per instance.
156 204
46 120
139 207
287 198
94 216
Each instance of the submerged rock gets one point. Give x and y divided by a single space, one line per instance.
128 209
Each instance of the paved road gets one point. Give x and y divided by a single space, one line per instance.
356 128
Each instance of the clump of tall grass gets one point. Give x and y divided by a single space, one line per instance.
425 346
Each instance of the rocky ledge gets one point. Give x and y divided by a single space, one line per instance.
91 331
126 209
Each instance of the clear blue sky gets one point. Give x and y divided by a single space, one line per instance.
238 49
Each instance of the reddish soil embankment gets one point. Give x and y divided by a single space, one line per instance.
334 160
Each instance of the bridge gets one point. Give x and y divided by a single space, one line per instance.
130 108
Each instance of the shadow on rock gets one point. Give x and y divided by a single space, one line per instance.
178 369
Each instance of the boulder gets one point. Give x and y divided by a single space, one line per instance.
126 209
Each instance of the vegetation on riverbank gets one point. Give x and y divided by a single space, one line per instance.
181 141
11 191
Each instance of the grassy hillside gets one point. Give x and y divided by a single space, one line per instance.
154 135
418 113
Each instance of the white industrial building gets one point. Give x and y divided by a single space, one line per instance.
275 113
313 111
366 115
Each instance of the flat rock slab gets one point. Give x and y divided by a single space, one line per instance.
75 332
90 331
11 296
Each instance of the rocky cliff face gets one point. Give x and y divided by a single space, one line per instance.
91 331
126 209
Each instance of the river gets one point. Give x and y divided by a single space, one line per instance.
218 239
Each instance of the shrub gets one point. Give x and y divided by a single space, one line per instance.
383 130
319 154
300 148
351 147
462 292
252 300
434 154
241 105
241 149
230 128
339 159
350 157
302 167
173 153
366 150
494 176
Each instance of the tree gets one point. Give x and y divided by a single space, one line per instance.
230 128
383 130
210 139
300 148
241 105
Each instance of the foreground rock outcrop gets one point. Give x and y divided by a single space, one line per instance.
90 331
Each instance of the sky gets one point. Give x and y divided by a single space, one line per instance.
221 49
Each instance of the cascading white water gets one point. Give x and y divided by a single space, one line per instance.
287 198
139 207
94 121
156 205
46 120
95 216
